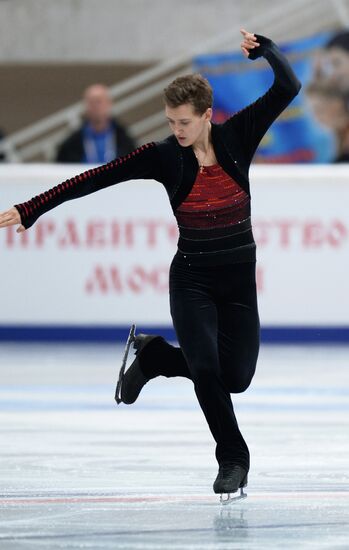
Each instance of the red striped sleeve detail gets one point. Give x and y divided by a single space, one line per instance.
30 206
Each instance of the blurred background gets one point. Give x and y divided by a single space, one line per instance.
81 83
51 52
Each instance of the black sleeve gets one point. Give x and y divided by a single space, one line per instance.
142 163
252 122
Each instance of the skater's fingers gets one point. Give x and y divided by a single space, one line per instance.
5 218
20 229
10 217
247 34
10 212
249 44
246 49
9 220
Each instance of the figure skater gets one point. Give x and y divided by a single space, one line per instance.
204 169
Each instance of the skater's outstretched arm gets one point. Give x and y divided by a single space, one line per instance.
252 122
143 163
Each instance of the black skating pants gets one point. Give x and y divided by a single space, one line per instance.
215 316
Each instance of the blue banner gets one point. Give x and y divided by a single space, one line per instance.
296 136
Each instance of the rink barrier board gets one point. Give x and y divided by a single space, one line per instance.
85 271
118 334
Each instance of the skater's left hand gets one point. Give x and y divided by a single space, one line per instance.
249 42
11 217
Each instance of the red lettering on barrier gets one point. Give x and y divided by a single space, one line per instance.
151 227
160 279
97 281
313 234
109 280
101 234
316 234
338 234
172 232
42 230
137 279
261 233
24 239
285 227
115 279
95 234
10 236
129 234
115 234
71 236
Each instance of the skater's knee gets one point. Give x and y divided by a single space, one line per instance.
238 376
239 384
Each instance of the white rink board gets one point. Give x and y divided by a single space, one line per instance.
104 259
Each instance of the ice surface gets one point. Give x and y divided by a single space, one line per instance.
79 472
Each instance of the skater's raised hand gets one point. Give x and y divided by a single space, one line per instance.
11 217
249 42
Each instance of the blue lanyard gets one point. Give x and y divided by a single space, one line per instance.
95 154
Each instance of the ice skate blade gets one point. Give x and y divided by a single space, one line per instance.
130 339
229 499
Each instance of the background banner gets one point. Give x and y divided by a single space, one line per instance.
296 136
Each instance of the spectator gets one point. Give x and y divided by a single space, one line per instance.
331 64
328 91
337 49
100 138
2 154
330 106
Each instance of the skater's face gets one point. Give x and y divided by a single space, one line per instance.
186 124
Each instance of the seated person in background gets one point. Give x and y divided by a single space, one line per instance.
2 155
101 138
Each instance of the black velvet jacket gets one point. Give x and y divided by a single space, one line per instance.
235 142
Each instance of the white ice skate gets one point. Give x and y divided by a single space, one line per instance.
229 499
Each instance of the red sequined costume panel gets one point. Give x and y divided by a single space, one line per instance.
216 200
214 220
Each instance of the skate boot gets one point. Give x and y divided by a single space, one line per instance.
134 379
230 478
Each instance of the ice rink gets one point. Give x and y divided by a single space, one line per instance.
78 471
